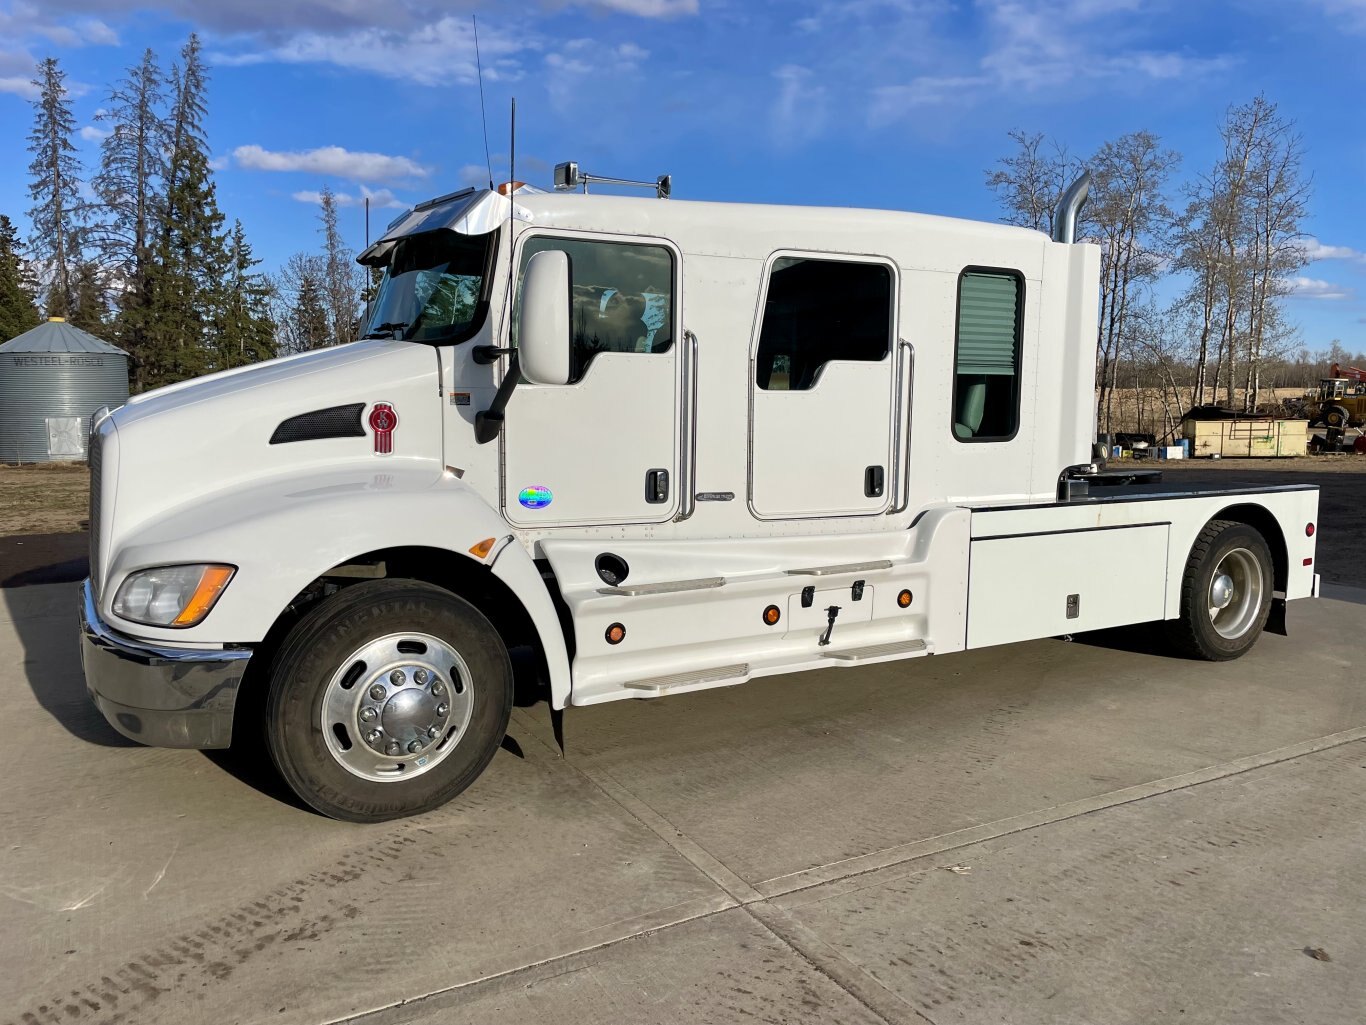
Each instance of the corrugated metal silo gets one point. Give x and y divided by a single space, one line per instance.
51 380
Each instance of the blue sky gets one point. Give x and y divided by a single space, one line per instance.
890 103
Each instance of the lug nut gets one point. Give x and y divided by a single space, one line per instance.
414 747
433 732
420 676
393 748
442 708
377 692
438 688
373 736
397 678
368 715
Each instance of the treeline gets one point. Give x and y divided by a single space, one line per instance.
1229 239
140 253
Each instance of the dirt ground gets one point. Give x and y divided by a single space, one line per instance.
48 498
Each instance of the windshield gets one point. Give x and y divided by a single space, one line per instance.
434 288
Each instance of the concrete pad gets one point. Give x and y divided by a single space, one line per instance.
153 886
781 775
1202 905
723 968
166 886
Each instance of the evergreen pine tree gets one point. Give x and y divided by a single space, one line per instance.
184 279
245 331
89 307
309 320
55 173
17 311
343 281
129 183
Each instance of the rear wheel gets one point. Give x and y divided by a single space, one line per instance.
388 699
1225 593
1335 417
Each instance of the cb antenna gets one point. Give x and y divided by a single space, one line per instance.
479 68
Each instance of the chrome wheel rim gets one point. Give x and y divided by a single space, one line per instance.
397 707
1235 594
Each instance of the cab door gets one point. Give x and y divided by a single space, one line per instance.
822 388
603 448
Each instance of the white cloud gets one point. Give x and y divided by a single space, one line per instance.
799 110
26 21
892 102
92 134
473 174
19 85
1315 250
331 161
645 8
380 199
1315 288
1034 46
220 163
433 52
588 56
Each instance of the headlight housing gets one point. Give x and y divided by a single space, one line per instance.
172 596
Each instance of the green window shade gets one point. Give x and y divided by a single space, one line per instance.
987 324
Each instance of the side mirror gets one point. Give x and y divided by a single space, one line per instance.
543 338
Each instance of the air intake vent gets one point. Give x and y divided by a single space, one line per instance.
333 422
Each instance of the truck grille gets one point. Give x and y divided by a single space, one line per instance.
94 450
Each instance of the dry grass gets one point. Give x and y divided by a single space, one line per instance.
44 498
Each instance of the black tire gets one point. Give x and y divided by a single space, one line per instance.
1195 634
320 645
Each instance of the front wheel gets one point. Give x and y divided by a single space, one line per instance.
388 699
1225 593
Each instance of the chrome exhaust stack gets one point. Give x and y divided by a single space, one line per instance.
1069 208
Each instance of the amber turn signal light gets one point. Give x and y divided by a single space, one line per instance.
772 614
482 549
210 586
616 633
904 599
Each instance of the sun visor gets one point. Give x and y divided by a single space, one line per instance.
471 212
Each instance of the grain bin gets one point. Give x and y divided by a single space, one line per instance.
51 380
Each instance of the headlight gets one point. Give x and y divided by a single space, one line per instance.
176 596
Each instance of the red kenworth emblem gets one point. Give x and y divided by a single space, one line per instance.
383 420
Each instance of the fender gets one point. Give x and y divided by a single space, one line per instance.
284 533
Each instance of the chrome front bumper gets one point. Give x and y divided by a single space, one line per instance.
160 696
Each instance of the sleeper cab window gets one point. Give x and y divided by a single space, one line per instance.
986 383
817 311
622 297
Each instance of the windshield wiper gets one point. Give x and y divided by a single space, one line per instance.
387 330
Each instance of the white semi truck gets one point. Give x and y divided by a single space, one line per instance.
659 445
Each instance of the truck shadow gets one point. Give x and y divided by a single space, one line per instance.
44 621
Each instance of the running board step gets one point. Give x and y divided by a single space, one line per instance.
848 567
874 651
664 587
698 677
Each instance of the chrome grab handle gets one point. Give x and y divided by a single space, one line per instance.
904 368
687 499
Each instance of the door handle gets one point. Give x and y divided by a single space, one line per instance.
656 487
873 482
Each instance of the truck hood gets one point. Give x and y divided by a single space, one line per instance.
185 443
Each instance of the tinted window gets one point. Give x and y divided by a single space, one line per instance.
819 310
986 388
622 297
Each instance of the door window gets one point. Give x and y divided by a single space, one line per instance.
622 297
817 311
